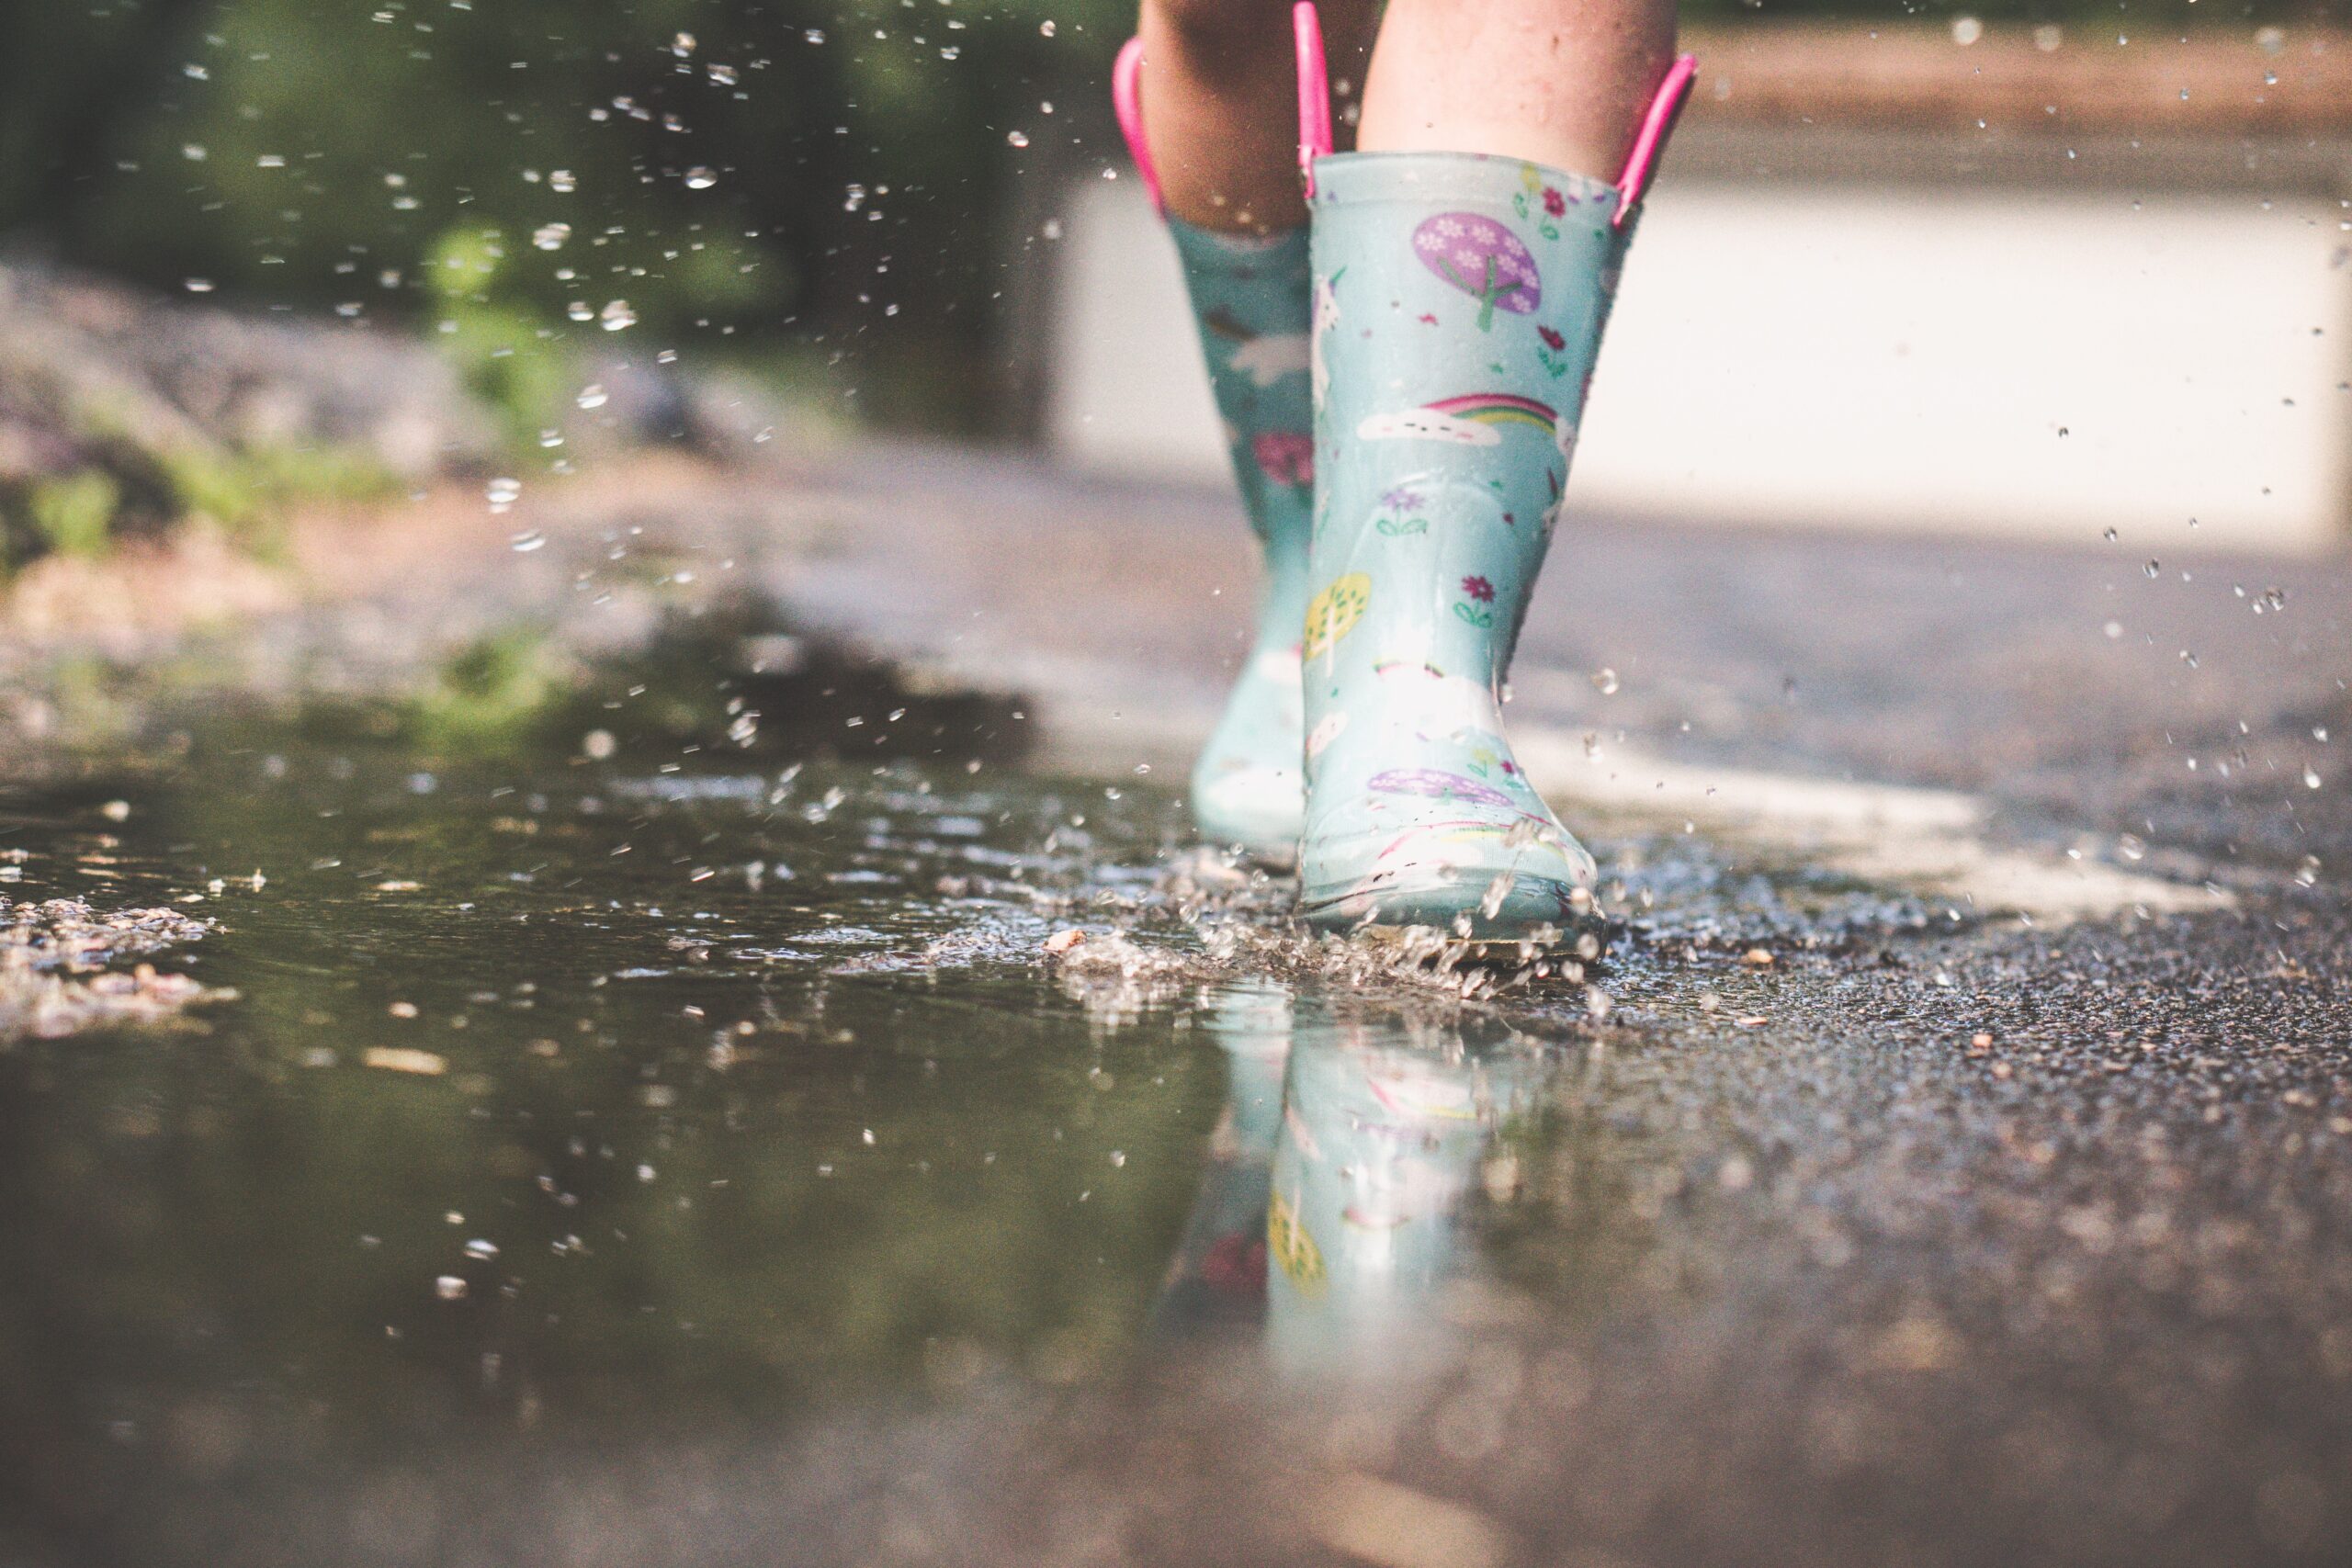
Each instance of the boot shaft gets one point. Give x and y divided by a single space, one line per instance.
1249 301
1459 305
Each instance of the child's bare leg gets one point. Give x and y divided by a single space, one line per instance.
1560 83
1220 105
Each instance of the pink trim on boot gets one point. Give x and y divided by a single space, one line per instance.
1657 126
1126 101
1314 91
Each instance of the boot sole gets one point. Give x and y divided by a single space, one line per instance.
1437 905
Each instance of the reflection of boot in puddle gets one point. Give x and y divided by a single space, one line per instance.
1381 1145
1218 1275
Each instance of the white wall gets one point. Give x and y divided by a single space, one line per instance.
1871 359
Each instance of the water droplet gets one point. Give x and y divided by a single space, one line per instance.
581 310
592 396
529 540
2130 846
449 1288
563 180
199 286
480 1248
598 745
1017 138
2310 778
1604 681
701 177
724 75
2307 873
814 35
683 45
504 493
1497 892
2153 567
1046 27
551 236
617 315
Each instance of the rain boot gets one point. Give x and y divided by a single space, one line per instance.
1459 301
1250 296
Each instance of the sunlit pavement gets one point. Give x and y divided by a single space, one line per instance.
2029 1241
1950 1163
2150 709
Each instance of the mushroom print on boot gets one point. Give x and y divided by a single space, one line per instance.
1249 294
1466 301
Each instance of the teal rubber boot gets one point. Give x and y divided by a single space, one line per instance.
1250 296
1459 303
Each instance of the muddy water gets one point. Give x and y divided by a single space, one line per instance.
547 1092
557 1111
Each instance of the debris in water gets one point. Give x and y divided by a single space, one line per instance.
402 1059
44 946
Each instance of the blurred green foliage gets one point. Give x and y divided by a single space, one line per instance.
727 169
72 513
740 173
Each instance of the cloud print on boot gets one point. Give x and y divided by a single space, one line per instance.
1428 424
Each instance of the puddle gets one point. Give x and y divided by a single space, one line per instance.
713 1076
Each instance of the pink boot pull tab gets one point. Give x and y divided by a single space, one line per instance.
1314 91
1657 126
1126 102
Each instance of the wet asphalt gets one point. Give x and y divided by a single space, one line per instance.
1996 1244
1854 1227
